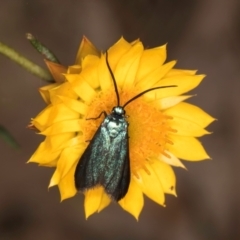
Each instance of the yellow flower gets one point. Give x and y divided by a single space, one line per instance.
162 127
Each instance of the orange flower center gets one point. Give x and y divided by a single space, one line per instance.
148 126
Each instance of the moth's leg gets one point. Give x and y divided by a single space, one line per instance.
103 112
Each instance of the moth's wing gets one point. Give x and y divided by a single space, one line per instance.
91 166
105 162
117 174
126 176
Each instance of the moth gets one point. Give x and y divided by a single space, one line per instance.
105 162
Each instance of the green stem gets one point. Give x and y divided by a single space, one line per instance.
41 48
25 63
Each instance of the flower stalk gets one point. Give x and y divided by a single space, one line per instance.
41 48
25 63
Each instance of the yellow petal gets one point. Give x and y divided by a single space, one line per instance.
72 77
90 61
150 185
49 164
75 69
67 161
93 200
75 105
59 141
151 60
86 48
155 76
135 42
64 89
133 201
104 76
50 149
187 128
83 89
69 157
191 113
60 112
187 148
63 127
57 71
169 158
168 102
117 51
44 91
41 120
89 71
67 185
180 72
76 141
127 66
44 156
166 176
105 201
184 84
55 179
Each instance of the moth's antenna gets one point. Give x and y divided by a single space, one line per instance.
114 80
148 90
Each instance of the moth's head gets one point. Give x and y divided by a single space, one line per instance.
118 111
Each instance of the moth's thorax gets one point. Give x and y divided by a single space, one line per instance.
115 123
118 111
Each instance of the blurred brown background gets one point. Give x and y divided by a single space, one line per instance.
201 34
